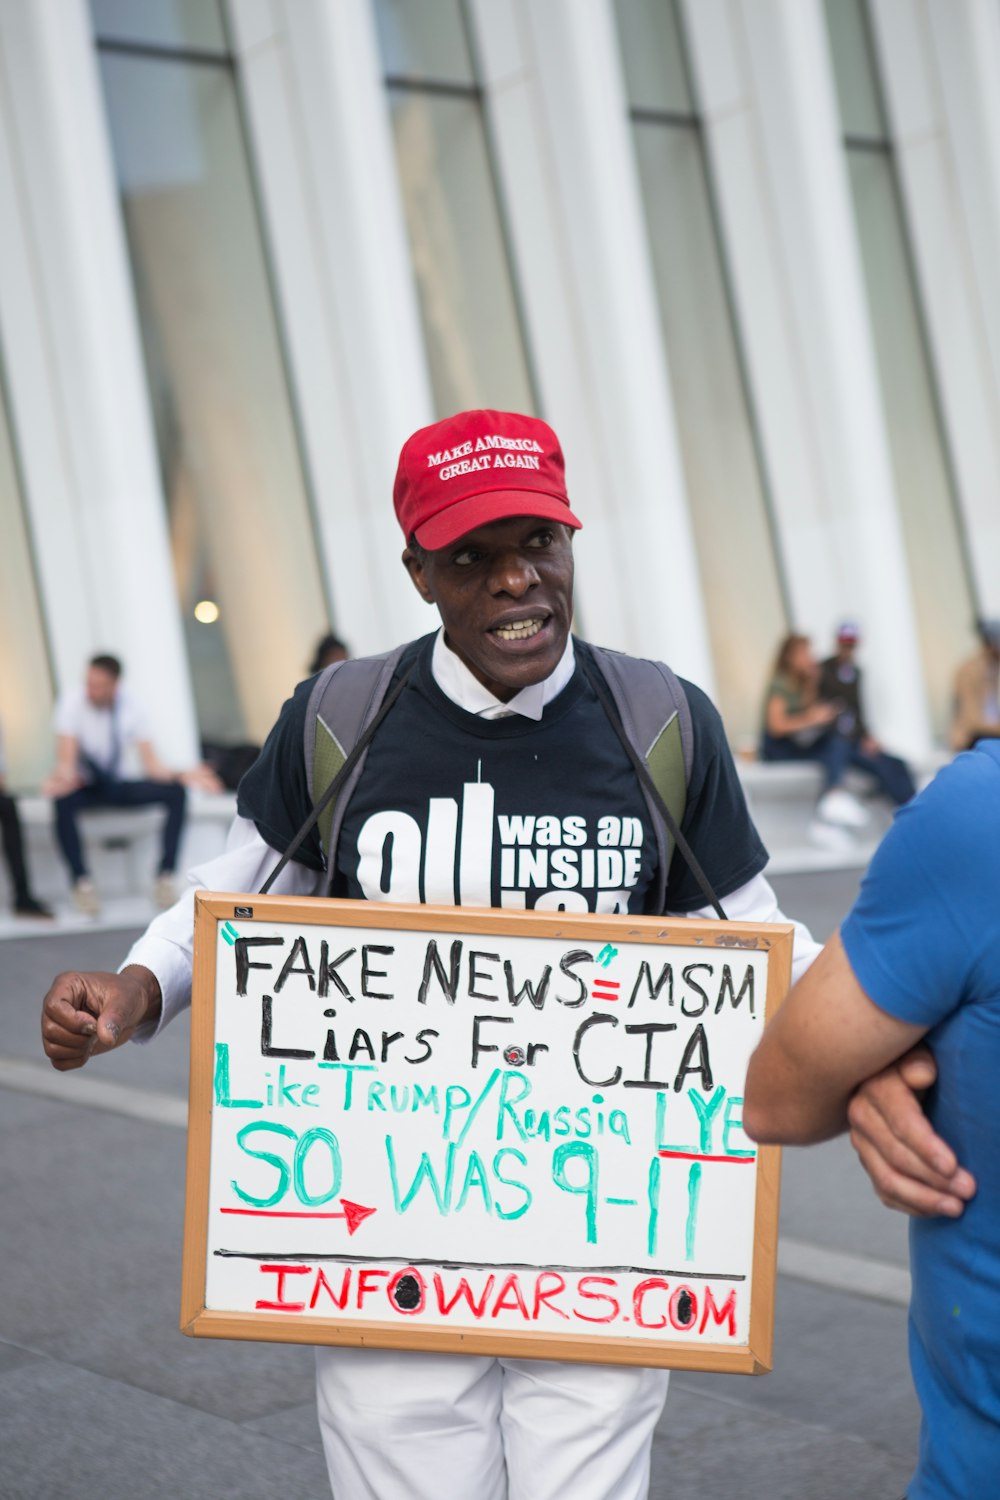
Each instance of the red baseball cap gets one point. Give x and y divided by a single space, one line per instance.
477 467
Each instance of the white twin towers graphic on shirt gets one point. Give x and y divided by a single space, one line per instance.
547 857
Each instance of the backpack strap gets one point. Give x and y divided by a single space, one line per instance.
654 725
345 700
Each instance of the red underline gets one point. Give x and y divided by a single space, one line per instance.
279 1213
741 1161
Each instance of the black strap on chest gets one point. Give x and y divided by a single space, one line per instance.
642 771
338 780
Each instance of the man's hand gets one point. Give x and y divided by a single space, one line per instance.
84 1014
911 1168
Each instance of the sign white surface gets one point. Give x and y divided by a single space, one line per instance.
484 1131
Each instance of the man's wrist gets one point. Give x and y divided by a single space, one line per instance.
149 987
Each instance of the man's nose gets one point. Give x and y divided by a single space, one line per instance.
513 574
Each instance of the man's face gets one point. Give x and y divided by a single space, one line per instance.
101 687
505 596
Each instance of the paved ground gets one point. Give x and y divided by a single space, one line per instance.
102 1399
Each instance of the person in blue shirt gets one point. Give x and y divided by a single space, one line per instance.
918 957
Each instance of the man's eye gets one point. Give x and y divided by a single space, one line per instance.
466 557
541 539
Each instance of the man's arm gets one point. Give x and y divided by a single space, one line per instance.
824 1041
152 765
911 1168
66 776
803 1085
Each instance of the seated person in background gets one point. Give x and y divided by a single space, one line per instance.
977 691
329 648
840 684
12 839
95 725
799 726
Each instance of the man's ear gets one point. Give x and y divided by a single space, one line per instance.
413 562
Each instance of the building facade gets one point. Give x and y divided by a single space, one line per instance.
741 253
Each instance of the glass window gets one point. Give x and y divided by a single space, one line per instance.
240 523
425 39
175 24
932 533
25 678
468 304
740 580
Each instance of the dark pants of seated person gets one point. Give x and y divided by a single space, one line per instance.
836 754
832 751
13 850
121 794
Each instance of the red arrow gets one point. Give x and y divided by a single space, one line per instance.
353 1213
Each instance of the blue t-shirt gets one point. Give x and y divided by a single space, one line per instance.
924 944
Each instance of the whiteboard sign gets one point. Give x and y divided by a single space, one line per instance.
483 1131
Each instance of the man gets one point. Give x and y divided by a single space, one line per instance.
96 725
840 684
919 956
12 842
497 697
976 713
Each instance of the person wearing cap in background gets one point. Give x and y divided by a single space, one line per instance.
503 696
976 714
840 684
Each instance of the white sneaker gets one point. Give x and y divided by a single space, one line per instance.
164 891
841 808
831 837
85 897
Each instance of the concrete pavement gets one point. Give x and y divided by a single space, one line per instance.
100 1396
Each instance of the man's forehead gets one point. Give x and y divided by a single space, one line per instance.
509 526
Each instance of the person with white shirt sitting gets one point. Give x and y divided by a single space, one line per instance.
498 719
96 726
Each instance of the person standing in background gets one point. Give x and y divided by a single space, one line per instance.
12 839
840 684
95 726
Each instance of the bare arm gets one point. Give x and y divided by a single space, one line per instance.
66 776
152 765
911 1168
826 1039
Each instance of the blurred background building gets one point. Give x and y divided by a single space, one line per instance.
743 254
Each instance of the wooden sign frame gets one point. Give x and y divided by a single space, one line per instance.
754 1356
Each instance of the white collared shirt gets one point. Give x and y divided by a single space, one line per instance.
457 683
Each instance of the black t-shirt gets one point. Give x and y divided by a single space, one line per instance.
456 809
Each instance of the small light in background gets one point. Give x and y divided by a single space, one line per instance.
206 611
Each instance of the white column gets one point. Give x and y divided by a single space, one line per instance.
940 64
766 90
319 125
75 375
559 122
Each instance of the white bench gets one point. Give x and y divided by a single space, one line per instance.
782 797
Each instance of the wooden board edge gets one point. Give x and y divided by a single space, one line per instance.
744 937
437 1339
194 1262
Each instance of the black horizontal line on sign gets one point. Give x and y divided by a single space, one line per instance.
475 1265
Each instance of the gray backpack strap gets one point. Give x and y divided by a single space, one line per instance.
345 698
657 719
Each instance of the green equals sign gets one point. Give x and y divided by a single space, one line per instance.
229 933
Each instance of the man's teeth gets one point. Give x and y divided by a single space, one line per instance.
518 630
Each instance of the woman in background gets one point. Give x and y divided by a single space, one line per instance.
798 725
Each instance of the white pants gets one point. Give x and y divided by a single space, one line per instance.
413 1426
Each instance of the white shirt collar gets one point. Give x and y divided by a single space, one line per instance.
457 683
